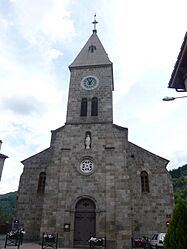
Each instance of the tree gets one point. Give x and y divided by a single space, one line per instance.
179 194
3 215
176 236
7 207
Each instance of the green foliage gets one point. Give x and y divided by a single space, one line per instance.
7 207
176 236
177 182
181 171
180 194
179 177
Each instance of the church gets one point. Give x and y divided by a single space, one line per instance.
92 181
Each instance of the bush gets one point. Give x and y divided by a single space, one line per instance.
176 236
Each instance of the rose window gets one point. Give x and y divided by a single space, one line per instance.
86 166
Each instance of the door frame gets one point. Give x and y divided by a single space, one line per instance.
84 211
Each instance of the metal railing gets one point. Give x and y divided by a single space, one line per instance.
50 241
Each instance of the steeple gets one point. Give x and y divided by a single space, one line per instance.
93 53
91 85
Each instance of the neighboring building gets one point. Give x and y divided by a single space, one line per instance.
2 160
92 181
179 75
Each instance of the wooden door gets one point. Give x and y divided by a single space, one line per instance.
85 220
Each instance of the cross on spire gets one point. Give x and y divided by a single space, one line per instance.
95 23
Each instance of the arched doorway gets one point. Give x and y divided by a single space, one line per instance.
85 222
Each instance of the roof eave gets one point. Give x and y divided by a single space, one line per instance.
3 156
177 76
89 66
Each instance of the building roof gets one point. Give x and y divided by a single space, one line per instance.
180 69
3 156
92 54
39 154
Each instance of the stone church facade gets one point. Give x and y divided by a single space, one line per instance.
92 181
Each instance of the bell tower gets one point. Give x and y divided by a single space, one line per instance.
92 181
91 85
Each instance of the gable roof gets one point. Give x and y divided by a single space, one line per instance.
41 154
164 160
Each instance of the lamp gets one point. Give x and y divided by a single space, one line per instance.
172 98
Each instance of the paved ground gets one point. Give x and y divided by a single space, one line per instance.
23 246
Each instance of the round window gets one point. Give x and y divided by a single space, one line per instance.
86 166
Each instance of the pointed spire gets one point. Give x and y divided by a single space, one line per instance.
95 23
93 52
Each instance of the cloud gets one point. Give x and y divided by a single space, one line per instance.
178 158
155 113
37 43
31 89
23 105
10 175
53 53
43 21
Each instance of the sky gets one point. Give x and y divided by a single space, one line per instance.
39 39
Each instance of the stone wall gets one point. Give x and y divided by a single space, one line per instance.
122 210
103 92
30 203
149 209
107 185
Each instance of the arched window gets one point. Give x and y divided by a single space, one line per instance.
84 107
41 183
94 108
144 181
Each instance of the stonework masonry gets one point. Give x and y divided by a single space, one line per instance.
96 191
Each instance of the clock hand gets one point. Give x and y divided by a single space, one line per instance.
89 80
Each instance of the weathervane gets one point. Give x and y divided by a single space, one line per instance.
94 23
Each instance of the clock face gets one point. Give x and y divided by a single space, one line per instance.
89 82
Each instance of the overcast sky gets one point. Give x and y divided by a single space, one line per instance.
39 39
